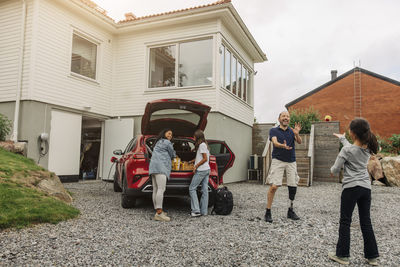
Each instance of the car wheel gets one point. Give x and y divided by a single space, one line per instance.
127 202
117 188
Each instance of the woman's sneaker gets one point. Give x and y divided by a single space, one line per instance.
373 261
161 217
195 214
341 260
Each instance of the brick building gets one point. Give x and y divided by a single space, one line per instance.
357 93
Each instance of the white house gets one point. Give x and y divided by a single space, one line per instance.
69 71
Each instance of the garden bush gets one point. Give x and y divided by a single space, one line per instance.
5 127
305 117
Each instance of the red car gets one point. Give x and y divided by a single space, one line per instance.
184 117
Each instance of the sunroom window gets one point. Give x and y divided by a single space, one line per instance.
84 57
182 64
162 66
234 75
195 63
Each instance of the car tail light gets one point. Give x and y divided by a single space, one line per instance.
137 178
139 156
215 179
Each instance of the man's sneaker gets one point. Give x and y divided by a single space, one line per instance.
373 261
341 260
161 217
292 215
268 217
195 214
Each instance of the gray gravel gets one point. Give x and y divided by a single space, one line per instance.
105 234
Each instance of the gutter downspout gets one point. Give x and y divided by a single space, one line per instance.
14 136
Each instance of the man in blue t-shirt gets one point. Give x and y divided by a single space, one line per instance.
283 159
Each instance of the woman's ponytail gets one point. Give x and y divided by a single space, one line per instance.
372 143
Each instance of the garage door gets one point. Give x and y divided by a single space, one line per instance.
64 143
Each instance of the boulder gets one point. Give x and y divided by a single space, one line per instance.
44 181
391 169
374 168
53 187
17 147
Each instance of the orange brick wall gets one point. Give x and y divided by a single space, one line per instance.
380 103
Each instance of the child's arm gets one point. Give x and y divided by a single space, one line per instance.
338 164
342 139
340 160
202 161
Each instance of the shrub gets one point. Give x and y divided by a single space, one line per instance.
395 140
305 117
389 145
5 127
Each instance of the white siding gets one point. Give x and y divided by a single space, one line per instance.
130 74
233 107
10 25
53 82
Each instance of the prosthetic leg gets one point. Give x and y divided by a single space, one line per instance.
292 193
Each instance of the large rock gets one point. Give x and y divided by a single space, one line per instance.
391 169
53 187
375 168
46 182
17 147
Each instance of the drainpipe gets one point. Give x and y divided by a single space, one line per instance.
14 136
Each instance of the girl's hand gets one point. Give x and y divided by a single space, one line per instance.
194 168
339 135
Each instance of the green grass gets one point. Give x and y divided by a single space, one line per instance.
22 206
11 163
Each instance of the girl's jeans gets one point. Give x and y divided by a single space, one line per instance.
350 197
200 177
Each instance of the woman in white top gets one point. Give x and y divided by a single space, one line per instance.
201 172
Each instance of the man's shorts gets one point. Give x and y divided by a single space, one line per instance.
275 175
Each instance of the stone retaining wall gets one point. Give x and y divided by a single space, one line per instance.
326 149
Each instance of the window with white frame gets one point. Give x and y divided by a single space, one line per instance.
234 74
84 57
182 64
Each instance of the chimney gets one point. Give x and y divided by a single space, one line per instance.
333 74
130 16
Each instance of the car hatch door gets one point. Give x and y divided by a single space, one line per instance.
223 155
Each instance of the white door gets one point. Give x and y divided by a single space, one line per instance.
117 134
64 143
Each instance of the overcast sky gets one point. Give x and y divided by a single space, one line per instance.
304 40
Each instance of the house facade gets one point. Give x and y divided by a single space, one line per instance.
357 93
73 80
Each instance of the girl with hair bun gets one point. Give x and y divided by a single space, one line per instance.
356 190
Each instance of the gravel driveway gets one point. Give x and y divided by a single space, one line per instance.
106 234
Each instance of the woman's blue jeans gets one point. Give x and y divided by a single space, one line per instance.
200 177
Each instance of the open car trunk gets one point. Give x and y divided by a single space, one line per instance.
183 148
182 116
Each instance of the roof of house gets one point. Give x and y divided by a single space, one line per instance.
131 19
134 18
339 78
